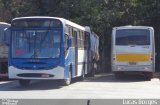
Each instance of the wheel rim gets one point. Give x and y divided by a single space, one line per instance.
68 80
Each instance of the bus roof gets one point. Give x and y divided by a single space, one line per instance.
64 21
4 23
132 27
93 33
88 29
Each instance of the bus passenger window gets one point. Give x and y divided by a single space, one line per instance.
66 42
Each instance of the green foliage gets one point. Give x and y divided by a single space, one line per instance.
100 15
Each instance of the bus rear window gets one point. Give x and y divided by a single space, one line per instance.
133 37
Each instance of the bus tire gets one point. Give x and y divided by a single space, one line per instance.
149 75
98 68
118 75
92 71
68 81
24 83
83 73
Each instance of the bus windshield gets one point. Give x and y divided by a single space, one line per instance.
133 37
39 43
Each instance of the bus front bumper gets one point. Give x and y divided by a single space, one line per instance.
55 73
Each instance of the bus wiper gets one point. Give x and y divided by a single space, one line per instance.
43 39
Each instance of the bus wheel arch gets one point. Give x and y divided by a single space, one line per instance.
68 81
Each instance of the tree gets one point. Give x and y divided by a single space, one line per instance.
100 15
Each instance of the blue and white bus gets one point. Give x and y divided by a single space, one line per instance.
93 51
48 48
4 40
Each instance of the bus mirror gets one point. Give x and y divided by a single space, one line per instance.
69 42
7 33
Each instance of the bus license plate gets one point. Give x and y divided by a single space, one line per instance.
45 75
132 63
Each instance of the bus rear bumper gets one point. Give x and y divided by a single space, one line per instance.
52 74
144 68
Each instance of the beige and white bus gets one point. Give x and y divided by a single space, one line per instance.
133 50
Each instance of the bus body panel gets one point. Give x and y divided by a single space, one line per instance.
133 57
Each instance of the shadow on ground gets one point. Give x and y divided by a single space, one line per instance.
51 84
111 78
35 85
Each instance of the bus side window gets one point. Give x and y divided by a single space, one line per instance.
73 40
1 35
82 39
79 39
66 42
87 40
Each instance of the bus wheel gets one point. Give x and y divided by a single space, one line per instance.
149 75
118 75
82 76
93 69
68 81
83 72
98 68
24 83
